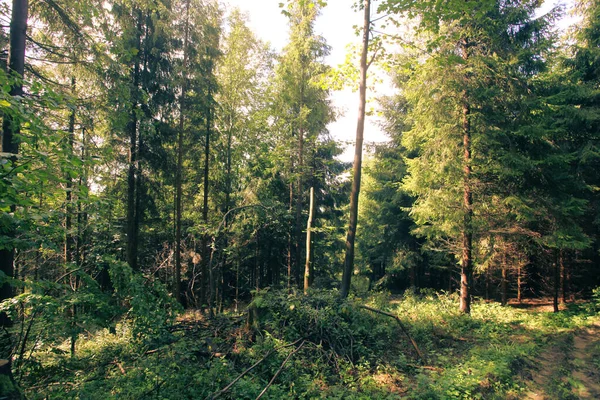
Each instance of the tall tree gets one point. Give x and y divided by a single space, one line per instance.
357 166
479 60
11 125
302 112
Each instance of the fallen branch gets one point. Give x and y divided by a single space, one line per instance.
279 370
414 344
240 376
427 367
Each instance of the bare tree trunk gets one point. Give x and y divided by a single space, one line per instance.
132 129
179 172
360 128
519 281
205 203
308 267
466 273
11 126
504 281
69 240
556 266
299 203
290 244
563 278
10 129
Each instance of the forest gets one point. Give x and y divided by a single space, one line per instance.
176 220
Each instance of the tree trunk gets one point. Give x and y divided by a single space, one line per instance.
179 172
556 266
69 189
360 128
487 282
519 282
466 273
11 128
308 267
299 202
563 278
132 129
69 239
211 284
290 244
504 281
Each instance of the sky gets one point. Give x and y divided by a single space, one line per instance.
335 24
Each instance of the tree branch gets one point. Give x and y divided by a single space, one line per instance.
240 376
401 327
279 370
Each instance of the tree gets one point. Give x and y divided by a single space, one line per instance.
11 127
302 113
360 127
467 97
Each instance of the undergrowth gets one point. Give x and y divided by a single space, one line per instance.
340 351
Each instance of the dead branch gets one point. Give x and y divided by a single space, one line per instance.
240 376
414 344
279 370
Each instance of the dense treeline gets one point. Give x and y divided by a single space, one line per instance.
491 163
157 154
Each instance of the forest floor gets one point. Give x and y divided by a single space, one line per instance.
568 367
321 347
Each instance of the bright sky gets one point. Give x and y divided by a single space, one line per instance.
336 25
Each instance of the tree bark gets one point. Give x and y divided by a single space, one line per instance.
556 290
466 273
563 278
211 284
519 282
504 281
179 172
11 126
132 129
308 267
360 128
69 239
290 244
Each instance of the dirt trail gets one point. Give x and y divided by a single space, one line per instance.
585 372
566 369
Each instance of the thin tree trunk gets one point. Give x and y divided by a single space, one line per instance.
556 290
237 285
289 254
132 129
308 267
487 282
466 273
504 281
179 172
299 202
69 240
211 284
563 278
82 216
519 281
360 128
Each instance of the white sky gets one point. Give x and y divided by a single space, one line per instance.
336 25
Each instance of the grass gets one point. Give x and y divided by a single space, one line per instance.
348 353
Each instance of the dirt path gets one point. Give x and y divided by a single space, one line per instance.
566 369
585 372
